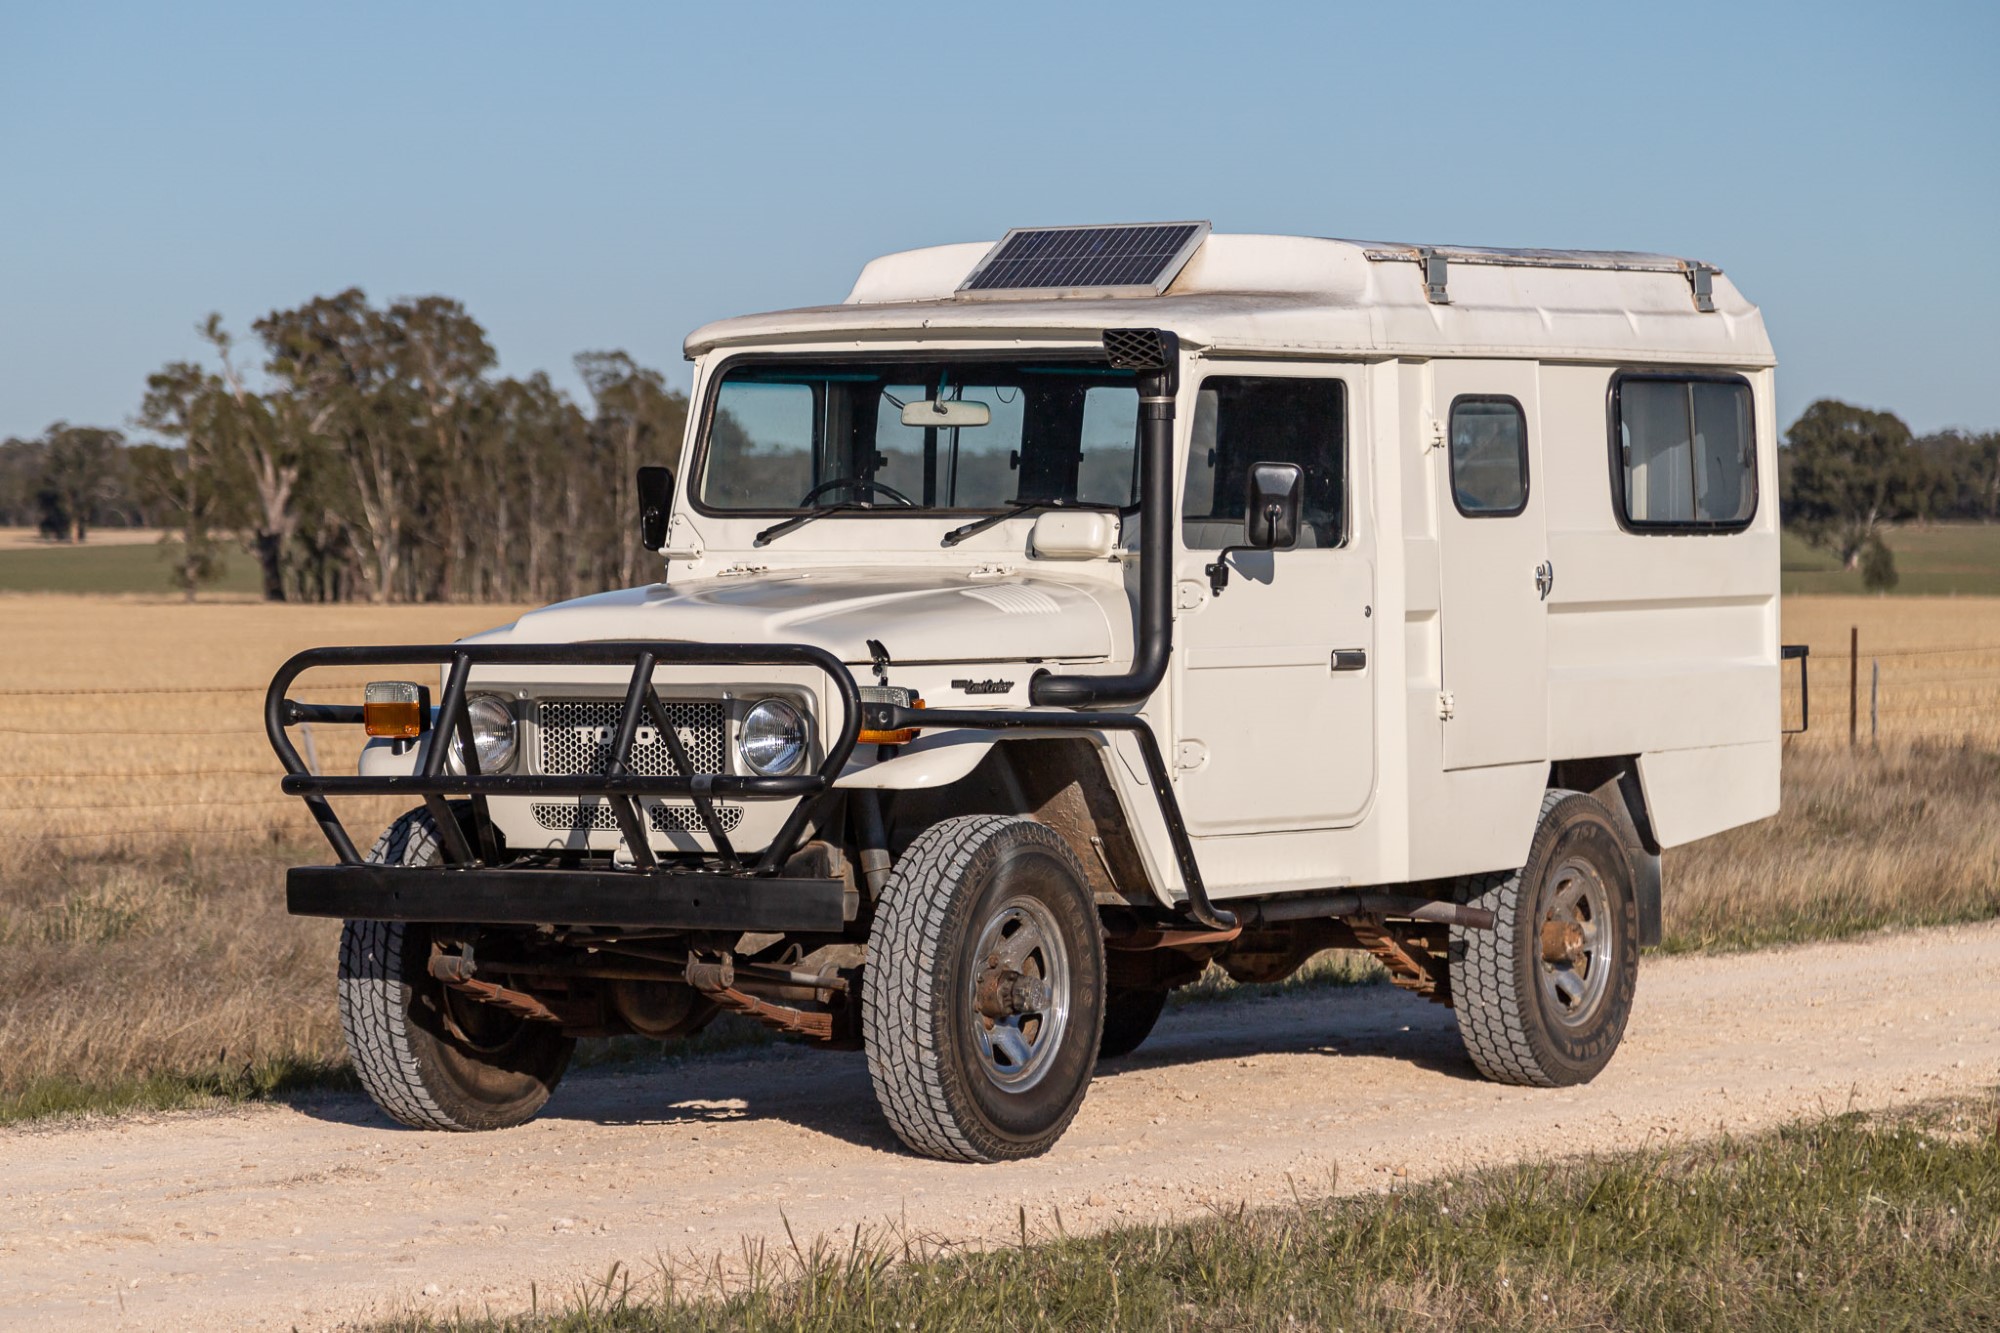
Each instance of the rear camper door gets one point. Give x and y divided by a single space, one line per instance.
1493 563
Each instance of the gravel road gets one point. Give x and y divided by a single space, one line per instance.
320 1213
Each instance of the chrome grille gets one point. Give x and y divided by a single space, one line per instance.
564 817
574 737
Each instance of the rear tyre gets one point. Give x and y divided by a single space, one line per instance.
1129 1016
431 1057
1542 998
984 1000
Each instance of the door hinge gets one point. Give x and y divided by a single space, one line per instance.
1444 705
1190 755
1434 435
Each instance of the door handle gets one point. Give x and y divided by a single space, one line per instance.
1545 578
1350 659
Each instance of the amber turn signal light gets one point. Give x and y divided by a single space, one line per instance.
394 709
876 701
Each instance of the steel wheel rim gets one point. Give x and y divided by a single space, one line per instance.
1020 942
1574 944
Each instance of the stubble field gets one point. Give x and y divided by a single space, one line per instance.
148 959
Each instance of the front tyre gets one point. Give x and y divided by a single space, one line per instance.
430 1056
984 1001
1543 997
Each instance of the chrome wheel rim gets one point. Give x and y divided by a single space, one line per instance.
1574 943
1018 994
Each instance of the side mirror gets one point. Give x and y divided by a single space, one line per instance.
1273 495
656 501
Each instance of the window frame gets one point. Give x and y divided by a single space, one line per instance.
1226 368
1451 455
1614 418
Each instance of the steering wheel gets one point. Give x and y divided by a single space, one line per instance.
857 485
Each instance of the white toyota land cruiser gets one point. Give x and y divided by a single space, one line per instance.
1055 618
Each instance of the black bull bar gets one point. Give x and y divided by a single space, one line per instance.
473 886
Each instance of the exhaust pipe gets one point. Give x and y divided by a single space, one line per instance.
1155 354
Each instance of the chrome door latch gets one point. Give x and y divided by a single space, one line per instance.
1545 578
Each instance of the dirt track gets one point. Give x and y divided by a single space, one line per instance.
313 1215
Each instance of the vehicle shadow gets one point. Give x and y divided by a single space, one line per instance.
828 1092
1374 1021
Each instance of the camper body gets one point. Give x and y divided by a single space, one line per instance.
1376 596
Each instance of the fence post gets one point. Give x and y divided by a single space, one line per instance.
1874 701
1853 685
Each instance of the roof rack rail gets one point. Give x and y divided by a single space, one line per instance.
1436 260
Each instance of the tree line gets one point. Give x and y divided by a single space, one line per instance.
1847 473
379 457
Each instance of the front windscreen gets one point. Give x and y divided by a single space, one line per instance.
787 435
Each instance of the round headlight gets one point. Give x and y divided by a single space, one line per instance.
772 741
492 735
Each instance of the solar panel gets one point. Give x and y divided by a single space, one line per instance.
1115 259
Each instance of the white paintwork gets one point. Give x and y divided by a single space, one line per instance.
1493 619
935 760
921 617
1074 536
1266 736
1292 777
1292 295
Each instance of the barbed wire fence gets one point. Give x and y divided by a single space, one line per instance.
1870 693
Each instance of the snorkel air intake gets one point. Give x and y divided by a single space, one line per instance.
1155 354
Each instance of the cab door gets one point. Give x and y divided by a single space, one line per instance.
1493 564
1274 706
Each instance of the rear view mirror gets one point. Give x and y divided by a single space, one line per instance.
943 413
1274 493
1273 497
656 501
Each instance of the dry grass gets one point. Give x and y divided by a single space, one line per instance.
1902 836
136 722
154 978
146 956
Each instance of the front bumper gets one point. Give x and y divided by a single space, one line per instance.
660 899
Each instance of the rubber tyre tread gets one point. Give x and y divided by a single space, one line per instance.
1498 1011
909 984
388 1051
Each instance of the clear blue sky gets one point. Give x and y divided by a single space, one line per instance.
594 176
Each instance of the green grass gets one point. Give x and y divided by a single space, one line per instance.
1938 560
145 568
1846 1222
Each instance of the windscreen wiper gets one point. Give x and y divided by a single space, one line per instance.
777 530
979 525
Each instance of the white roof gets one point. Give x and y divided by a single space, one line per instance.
1296 295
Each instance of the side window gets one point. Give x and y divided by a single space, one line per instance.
1240 420
1489 456
1685 453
